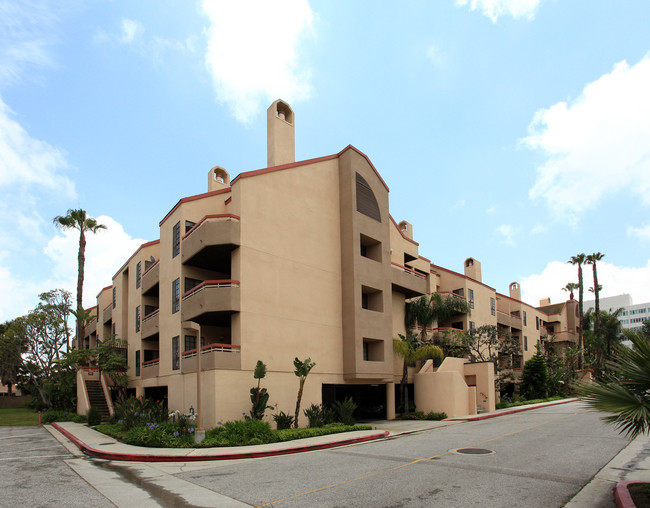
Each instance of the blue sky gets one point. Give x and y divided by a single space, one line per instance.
515 132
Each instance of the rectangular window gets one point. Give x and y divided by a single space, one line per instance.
472 326
525 343
176 240
537 322
113 329
525 318
137 319
176 295
470 296
138 274
493 306
137 362
189 225
190 342
370 248
114 296
176 353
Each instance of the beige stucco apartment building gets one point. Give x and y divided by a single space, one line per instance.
301 259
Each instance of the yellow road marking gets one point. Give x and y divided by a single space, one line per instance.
370 475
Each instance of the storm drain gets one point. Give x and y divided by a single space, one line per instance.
474 451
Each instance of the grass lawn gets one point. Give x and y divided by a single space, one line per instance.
14 417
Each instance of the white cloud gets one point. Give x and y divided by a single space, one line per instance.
435 56
24 37
492 209
495 8
642 233
252 52
508 233
27 161
106 252
597 145
130 30
616 280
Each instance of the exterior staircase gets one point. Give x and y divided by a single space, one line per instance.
97 399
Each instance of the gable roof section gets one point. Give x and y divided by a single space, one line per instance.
148 244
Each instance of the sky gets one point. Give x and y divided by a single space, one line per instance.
516 132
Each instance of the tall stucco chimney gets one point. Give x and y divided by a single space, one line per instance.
280 134
515 291
473 269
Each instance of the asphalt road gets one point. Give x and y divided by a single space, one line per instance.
537 458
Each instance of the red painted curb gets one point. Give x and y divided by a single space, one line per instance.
622 494
100 454
511 411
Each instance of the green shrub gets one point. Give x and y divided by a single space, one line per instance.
435 416
534 378
345 411
319 415
61 416
94 417
283 420
240 433
138 411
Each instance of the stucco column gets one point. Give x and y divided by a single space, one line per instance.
199 432
390 401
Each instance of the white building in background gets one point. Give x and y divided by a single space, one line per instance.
631 318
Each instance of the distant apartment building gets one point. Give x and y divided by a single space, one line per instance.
300 259
632 315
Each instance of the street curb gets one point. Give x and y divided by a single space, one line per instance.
93 452
622 494
512 411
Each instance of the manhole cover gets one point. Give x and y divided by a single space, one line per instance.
475 451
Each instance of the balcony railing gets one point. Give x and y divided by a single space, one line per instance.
150 324
150 368
151 277
408 281
213 356
211 297
451 293
213 237
107 313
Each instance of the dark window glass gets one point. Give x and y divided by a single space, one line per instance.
176 353
137 362
137 319
176 245
176 295
138 274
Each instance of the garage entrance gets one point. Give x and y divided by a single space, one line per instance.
370 399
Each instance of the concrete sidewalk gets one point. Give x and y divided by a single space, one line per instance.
631 464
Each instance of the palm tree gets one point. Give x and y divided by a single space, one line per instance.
426 311
302 371
570 287
78 219
591 260
627 394
411 351
579 260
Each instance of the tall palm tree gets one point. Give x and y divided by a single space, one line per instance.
570 287
579 259
626 395
591 260
78 219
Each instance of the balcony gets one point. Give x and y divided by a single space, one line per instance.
213 356
408 281
150 324
509 320
211 302
91 327
107 314
210 241
150 368
151 279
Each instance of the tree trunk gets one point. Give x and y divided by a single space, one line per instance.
295 419
405 388
597 297
580 300
81 261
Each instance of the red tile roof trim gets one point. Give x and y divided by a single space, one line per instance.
193 198
148 244
403 235
436 267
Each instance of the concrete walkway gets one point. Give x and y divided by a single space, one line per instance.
631 464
